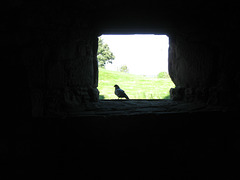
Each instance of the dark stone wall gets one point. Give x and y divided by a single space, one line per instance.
63 74
51 51
194 64
203 59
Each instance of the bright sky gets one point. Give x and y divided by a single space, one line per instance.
143 54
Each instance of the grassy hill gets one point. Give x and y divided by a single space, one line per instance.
135 86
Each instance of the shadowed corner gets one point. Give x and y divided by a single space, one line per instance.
101 97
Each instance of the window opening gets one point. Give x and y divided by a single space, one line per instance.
138 64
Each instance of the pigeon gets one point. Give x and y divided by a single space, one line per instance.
119 92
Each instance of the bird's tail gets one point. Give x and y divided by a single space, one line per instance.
126 96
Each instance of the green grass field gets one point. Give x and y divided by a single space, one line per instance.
135 86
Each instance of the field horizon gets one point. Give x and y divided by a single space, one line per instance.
135 86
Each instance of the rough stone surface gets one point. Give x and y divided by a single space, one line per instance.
63 75
140 107
199 67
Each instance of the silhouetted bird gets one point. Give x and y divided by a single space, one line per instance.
120 93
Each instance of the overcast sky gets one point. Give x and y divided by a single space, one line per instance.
143 54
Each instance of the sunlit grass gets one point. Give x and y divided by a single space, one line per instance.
135 86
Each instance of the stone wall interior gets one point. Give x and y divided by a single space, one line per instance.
57 45
50 74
